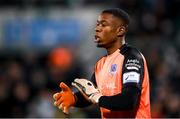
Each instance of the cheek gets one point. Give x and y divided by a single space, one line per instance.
109 35
106 32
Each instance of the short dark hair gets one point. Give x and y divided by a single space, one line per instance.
117 12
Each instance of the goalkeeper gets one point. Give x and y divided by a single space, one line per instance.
120 83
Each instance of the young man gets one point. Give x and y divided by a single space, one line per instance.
120 83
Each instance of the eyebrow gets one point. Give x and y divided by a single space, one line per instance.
102 21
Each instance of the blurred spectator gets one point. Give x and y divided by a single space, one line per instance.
171 107
41 105
19 100
60 58
63 67
4 97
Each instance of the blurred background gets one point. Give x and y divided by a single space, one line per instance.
45 42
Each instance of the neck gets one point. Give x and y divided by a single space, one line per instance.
115 46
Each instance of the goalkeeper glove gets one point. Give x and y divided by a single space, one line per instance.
87 89
64 99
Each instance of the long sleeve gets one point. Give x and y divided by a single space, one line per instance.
127 100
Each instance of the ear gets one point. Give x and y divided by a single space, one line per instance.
121 31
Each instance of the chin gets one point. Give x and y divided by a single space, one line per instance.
100 45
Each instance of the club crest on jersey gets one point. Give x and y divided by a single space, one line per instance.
113 69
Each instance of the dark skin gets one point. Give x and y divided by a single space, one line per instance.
110 32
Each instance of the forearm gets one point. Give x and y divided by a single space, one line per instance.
127 100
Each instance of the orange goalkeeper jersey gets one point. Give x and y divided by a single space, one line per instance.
124 67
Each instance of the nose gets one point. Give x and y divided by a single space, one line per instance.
97 29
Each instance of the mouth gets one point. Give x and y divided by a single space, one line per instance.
97 39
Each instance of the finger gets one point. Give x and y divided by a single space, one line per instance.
59 95
64 87
60 106
58 102
77 86
55 103
80 81
56 96
66 110
76 80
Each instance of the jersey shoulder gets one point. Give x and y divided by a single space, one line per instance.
100 61
130 52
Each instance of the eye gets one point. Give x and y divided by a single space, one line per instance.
97 24
89 84
103 25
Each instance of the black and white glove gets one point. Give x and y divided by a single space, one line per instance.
87 89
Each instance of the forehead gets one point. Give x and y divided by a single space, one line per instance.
110 18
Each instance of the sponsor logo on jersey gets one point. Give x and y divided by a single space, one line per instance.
113 69
131 77
133 64
132 61
129 68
